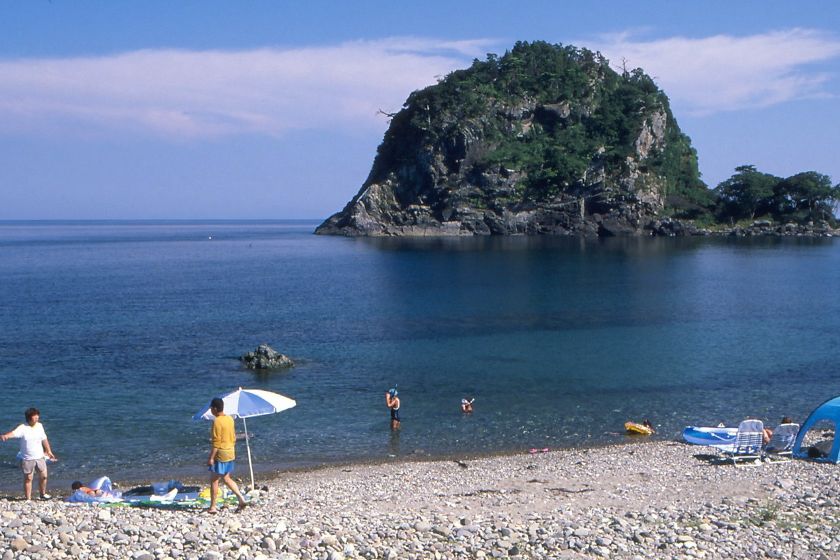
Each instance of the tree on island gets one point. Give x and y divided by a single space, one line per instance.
747 193
800 198
807 195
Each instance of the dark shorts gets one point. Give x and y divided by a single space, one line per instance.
395 415
30 466
222 468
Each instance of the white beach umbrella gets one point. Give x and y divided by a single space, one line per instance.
245 403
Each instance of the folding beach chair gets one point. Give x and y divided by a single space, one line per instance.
748 442
781 442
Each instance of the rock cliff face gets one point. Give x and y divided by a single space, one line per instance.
544 140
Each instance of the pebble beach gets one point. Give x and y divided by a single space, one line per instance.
652 499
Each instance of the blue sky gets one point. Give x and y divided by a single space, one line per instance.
256 109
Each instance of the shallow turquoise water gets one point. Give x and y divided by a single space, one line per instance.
119 332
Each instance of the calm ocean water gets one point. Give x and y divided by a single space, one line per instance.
119 332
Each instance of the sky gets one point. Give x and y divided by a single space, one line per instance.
203 109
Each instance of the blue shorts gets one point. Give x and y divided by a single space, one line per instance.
222 468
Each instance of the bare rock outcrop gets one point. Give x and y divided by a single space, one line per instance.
265 357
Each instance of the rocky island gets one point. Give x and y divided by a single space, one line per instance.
546 139
550 140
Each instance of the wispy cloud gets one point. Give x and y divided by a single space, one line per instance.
188 94
197 94
725 73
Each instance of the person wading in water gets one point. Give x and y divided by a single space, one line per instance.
393 403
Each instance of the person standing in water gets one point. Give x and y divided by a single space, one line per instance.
393 403
467 406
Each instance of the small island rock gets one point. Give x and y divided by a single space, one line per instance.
265 357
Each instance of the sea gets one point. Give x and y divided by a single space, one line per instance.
120 331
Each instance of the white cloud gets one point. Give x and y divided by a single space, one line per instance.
188 94
724 73
183 94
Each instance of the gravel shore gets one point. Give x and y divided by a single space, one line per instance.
653 499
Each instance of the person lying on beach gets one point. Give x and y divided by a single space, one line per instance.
77 485
393 403
467 406
768 433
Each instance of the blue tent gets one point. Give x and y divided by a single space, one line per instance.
827 411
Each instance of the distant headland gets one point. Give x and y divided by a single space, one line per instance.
550 140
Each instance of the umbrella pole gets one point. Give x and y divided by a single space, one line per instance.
248 446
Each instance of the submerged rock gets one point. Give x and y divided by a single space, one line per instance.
265 357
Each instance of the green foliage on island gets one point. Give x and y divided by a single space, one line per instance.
584 112
750 194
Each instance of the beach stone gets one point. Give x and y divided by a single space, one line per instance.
786 483
19 544
583 532
441 530
685 538
50 520
103 515
329 540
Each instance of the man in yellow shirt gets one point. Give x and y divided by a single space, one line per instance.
222 455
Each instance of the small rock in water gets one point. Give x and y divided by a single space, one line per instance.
265 357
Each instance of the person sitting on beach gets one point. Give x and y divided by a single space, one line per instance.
467 406
393 403
768 433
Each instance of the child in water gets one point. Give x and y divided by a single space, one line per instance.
467 406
